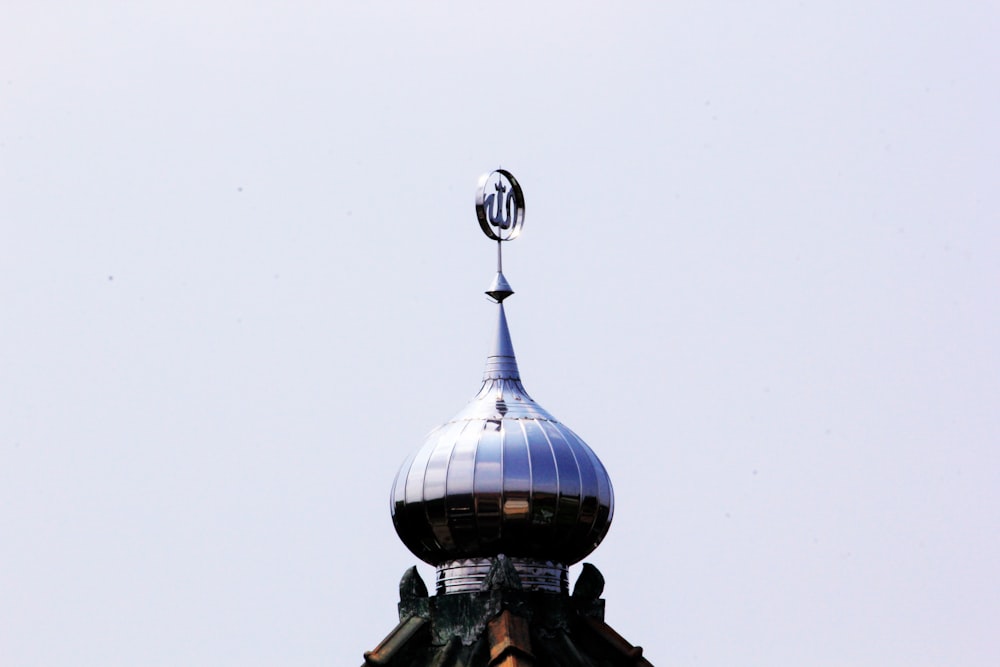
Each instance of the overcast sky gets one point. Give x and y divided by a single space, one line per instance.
241 278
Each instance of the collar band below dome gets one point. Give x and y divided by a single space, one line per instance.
470 575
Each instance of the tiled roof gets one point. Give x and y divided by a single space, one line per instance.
504 627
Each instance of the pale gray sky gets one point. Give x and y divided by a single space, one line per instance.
241 277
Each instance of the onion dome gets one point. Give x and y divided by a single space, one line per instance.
503 476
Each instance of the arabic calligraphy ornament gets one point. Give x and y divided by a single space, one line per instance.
500 205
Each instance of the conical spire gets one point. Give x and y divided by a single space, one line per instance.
501 363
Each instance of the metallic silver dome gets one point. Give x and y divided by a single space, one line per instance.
503 476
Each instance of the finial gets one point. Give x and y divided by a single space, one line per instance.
500 218
590 584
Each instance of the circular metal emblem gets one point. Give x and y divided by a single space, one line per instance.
500 205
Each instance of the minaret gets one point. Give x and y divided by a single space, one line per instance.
502 499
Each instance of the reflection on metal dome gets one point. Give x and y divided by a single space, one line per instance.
503 476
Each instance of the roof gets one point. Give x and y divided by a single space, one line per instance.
503 476
504 626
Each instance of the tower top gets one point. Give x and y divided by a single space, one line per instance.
502 498
503 476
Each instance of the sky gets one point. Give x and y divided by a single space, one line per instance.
241 278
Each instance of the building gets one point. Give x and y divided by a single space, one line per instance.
501 499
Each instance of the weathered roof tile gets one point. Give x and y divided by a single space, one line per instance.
615 641
510 640
395 641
